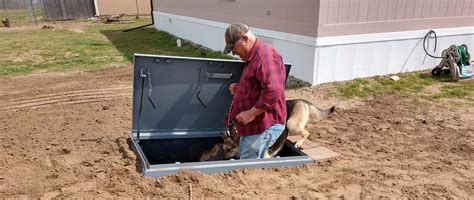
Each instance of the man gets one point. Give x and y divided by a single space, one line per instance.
258 105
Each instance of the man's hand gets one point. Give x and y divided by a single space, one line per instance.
247 116
232 88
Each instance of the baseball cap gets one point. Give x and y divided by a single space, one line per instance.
233 33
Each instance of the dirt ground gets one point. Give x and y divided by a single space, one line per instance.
65 135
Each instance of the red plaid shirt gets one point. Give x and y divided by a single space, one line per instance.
262 85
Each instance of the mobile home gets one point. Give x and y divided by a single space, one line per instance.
329 40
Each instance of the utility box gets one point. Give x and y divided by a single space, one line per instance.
179 106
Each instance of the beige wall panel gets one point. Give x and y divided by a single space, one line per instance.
467 5
343 12
410 9
435 8
306 11
336 11
401 7
465 8
418 9
128 7
382 10
333 11
373 10
296 16
363 10
392 9
323 12
353 11
394 26
459 6
377 16
278 9
426 9
472 8
450 11
443 8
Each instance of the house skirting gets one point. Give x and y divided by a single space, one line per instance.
327 59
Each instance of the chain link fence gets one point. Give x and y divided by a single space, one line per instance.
20 12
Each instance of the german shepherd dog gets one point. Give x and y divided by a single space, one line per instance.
299 111
230 149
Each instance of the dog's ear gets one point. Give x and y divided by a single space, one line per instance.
223 134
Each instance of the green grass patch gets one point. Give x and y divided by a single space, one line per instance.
96 46
54 50
16 70
457 90
410 83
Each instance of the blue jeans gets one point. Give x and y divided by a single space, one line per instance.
255 146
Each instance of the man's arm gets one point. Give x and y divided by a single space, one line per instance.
247 116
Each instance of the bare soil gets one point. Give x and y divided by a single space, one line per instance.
65 135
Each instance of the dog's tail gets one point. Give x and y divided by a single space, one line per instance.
320 113
278 145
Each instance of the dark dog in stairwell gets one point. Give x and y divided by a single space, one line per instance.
226 150
299 111
216 153
230 148
231 144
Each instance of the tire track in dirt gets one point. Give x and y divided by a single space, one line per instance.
67 98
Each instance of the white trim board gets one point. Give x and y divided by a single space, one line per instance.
389 36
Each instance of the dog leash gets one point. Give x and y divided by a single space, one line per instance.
230 111
229 123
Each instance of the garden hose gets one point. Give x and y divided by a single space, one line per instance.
461 50
436 42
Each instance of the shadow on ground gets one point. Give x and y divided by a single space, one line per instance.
151 41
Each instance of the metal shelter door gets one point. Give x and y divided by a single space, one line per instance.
191 95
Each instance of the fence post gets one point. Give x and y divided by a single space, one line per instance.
44 12
33 10
138 12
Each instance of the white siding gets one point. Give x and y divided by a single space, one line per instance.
328 59
348 58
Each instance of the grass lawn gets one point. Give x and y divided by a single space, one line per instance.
94 46
414 83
